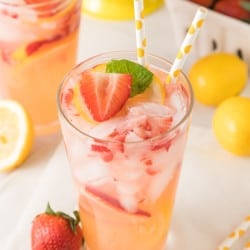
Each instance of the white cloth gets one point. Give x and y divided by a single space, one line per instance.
212 197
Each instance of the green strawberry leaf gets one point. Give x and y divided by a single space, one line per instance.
245 5
73 222
141 77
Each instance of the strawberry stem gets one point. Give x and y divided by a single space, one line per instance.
245 5
72 221
49 210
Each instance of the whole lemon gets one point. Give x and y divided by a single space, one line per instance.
217 76
231 125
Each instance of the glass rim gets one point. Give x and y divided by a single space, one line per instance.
117 52
39 7
44 3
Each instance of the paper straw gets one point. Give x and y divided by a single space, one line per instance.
187 44
247 246
140 31
236 235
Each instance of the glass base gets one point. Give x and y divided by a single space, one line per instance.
86 248
117 10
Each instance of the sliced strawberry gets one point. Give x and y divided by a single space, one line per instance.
5 55
68 96
113 201
119 138
34 46
9 13
146 121
44 7
105 152
105 93
34 1
108 149
165 142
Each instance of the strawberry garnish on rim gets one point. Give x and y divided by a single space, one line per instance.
105 93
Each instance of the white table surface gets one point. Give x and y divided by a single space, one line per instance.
213 196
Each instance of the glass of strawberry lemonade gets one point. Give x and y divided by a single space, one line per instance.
38 45
125 132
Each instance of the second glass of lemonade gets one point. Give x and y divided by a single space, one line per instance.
38 45
125 165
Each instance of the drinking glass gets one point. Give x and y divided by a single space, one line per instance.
127 181
38 45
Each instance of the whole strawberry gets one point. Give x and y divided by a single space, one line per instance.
239 9
56 231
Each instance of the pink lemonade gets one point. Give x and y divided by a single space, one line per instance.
126 165
38 45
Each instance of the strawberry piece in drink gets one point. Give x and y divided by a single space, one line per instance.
45 9
149 120
113 202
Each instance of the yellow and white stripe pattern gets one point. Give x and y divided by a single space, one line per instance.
247 246
187 44
238 234
141 41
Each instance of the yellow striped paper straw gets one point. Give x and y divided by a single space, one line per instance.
247 246
236 235
141 42
187 44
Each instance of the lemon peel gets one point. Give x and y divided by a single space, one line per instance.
231 125
218 76
80 107
16 135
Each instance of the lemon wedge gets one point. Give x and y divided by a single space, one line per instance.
16 135
155 93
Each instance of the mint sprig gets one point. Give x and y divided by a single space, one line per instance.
141 77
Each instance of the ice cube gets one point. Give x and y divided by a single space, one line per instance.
150 109
91 170
104 129
167 162
177 100
160 181
127 195
148 120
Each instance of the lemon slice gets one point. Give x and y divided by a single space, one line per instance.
16 135
80 107
154 93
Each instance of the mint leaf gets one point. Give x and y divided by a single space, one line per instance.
141 77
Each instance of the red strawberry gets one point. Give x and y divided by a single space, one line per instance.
35 45
206 3
105 93
68 96
8 13
44 6
113 201
232 8
56 231
34 1
105 152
